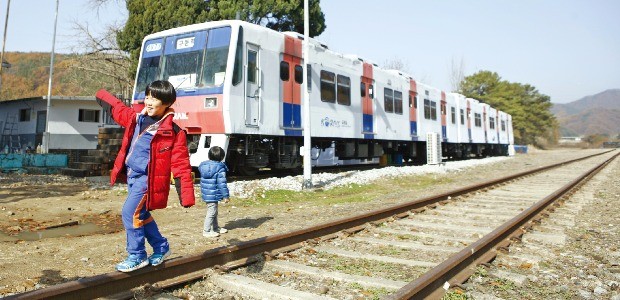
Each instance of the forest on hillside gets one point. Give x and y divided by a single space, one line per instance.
28 76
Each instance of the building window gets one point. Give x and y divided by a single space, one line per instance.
24 115
88 115
328 86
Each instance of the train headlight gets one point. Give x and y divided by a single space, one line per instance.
210 102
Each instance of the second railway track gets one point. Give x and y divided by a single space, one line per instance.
416 249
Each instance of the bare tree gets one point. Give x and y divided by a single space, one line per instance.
99 57
396 64
457 74
102 60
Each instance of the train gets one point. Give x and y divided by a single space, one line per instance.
239 86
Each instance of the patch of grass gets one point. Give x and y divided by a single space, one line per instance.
502 284
481 272
352 193
455 295
371 293
372 268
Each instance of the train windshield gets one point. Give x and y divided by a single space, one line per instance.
190 61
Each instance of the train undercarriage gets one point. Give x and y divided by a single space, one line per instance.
247 154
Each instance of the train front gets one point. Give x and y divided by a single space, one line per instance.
195 59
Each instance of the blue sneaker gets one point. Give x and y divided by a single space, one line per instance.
132 263
157 258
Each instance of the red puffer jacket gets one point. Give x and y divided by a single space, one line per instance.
168 154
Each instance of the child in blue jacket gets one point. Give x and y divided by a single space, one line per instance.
214 189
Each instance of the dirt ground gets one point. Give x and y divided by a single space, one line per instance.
34 254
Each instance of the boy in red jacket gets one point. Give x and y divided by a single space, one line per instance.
153 146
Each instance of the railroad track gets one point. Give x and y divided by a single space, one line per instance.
418 249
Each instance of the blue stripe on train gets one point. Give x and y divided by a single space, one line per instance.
291 118
367 126
291 115
444 133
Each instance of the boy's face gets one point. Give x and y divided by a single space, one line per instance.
154 106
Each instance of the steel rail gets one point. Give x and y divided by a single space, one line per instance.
116 282
457 268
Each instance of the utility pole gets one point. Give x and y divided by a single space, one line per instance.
46 134
6 23
307 152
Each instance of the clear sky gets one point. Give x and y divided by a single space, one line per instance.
567 49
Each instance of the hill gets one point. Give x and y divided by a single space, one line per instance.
590 115
28 76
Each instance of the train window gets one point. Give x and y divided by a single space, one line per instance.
453 114
309 79
237 73
299 74
398 102
462 117
491 123
477 120
430 110
503 125
344 90
284 74
443 108
216 57
328 86
363 89
388 100
252 66
371 91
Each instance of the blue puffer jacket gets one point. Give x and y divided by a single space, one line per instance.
213 186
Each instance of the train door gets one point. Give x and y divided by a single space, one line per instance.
368 92
291 76
484 124
252 85
444 122
413 107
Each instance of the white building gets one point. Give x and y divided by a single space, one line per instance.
73 124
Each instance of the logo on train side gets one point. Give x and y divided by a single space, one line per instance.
329 122
180 116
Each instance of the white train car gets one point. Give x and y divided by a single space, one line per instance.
239 86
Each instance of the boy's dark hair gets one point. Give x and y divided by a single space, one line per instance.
216 153
162 90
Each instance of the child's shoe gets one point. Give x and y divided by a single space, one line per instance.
222 230
210 234
157 258
132 263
